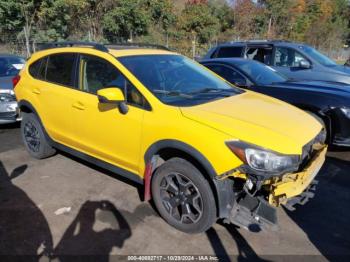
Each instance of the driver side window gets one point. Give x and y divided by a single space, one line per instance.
287 57
97 73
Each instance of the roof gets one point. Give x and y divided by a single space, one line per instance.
261 42
10 55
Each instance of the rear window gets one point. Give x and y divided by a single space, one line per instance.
38 69
229 52
59 69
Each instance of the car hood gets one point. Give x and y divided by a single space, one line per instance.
317 86
259 120
340 69
6 82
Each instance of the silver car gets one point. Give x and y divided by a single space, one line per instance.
10 65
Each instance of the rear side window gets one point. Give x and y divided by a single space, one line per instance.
59 69
229 52
38 69
34 68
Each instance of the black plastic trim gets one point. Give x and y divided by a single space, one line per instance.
97 46
175 144
225 195
115 169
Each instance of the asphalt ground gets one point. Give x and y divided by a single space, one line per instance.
63 206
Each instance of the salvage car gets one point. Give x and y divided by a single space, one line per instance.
294 60
10 65
201 148
328 102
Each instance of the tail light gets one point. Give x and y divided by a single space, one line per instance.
15 80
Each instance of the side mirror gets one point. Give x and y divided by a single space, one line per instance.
110 95
113 95
304 64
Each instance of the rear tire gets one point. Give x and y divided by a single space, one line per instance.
183 196
34 138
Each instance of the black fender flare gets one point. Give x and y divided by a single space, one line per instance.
29 105
32 109
175 144
223 190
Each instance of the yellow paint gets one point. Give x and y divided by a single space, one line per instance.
292 185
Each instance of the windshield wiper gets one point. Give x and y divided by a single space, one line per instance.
212 90
172 93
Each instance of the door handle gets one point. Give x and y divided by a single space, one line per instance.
36 91
78 105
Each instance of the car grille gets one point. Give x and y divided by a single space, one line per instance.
5 97
8 115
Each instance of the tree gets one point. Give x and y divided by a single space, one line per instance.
126 20
197 20
17 19
162 15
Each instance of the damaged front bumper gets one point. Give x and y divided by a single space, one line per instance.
282 189
257 209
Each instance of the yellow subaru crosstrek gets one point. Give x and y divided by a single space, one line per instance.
202 148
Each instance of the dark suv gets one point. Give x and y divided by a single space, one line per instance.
294 60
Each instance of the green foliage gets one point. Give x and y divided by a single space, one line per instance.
197 20
187 25
127 19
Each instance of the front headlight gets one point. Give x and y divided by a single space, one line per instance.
264 160
346 111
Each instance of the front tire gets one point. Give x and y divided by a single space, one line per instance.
34 137
183 196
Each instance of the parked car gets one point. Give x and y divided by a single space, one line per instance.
329 102
202 149
294 60
347 63
9 68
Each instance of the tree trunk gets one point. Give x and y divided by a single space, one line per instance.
269 28
26 35
194 46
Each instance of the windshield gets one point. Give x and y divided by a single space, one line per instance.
10 66
177 80
261 74
320 58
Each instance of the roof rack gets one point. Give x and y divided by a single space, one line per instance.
135 46
97 46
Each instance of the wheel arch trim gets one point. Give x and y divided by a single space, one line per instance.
181 146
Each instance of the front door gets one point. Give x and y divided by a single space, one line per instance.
104 131
287 61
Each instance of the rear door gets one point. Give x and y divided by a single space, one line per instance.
260 52
55 90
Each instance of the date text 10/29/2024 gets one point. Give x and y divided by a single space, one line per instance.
172 258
